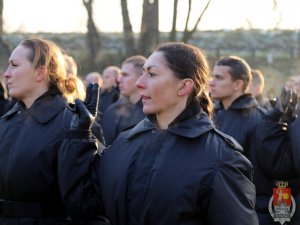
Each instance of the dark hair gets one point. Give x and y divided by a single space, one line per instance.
187 61
239 69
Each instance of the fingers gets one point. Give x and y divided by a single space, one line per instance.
88 92
80 107
93 99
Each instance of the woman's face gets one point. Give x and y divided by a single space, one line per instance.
158 86
19 76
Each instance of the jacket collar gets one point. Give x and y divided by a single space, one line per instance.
191 123
245 101
43 109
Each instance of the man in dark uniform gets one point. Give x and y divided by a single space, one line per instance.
128 110
237 114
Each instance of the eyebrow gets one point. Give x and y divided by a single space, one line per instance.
149 67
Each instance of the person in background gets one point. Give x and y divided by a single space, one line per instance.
127 111
256 87
4 102
31 134
290 83
173 167
110 92
279 145
93 77
75 82
237 114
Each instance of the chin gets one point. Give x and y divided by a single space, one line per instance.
214 96
14 94
148 111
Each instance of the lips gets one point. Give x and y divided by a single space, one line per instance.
145 98
8 85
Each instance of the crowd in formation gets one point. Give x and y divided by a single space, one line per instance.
160 140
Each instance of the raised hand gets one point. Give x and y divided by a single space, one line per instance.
284 106
86 112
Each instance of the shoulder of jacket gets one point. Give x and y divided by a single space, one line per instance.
230 141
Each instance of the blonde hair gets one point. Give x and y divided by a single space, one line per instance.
46 53
72 79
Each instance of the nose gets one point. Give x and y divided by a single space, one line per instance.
140 82
211 82
6 73
119 79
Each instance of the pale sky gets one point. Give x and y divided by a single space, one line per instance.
70 15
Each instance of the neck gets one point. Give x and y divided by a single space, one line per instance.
227 102
166 117
107 89
30 99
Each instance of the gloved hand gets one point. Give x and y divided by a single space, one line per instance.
86 112
284 106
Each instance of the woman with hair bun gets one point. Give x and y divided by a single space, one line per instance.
31 134
173 167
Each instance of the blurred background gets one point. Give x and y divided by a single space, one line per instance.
98 33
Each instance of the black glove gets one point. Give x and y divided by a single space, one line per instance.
283 107
86 112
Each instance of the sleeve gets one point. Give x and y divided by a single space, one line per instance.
274 150
232 199
78 163
294 134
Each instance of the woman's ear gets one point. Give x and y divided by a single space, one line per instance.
186 87
41 74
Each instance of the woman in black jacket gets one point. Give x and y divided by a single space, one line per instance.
31 134
173 167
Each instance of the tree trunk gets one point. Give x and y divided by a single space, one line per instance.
127 30
4 48
93 37
187 35
149 36
173 32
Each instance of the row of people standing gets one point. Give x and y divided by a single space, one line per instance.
174 166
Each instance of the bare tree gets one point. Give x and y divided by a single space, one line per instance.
127 30
173 32
276 9
93 37
149 36
4 49
187 34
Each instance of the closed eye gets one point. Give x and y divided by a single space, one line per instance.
152 74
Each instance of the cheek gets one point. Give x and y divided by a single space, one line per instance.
223 85
165 93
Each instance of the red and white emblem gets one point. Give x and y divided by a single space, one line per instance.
282 204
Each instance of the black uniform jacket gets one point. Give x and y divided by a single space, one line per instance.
190 173
120 116
29 144
241 121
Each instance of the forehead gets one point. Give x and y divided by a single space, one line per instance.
157 59
108 73
221 70
19 53
127 67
